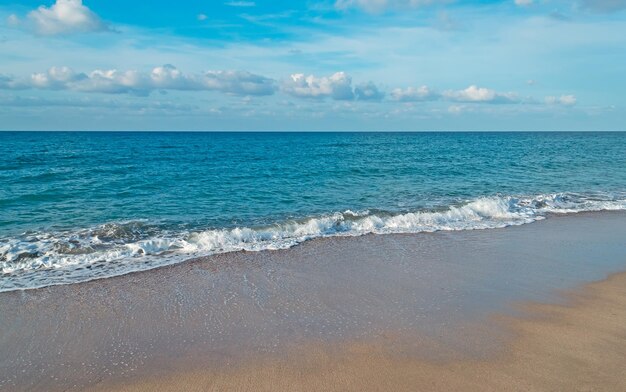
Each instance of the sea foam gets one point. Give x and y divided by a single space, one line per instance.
41 259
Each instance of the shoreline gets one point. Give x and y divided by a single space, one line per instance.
432 299
321 239
45 266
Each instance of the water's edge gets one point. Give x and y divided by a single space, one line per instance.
37 260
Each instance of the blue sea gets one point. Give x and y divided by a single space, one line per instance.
86 205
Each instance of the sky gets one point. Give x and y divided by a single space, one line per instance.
382 65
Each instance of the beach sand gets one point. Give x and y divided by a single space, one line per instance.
505 309
576 347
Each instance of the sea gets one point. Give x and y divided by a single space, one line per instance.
79 206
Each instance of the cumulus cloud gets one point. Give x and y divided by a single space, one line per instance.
368 92
480 94
63 17
604 5
414 94
565 100
523 3
381 5
166 77
337 86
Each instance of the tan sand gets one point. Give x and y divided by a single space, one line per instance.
580 346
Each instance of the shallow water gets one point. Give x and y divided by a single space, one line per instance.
81 206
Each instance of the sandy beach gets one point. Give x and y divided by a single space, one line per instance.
503 309
313 195
577 347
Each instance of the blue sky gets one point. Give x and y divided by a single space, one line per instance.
313 65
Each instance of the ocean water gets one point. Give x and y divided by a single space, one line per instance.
81 206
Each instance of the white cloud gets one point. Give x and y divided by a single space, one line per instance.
202 17
412 94
381 5
523 3
166 77
480 94
57 78
63 17
565 100
368 92
338 86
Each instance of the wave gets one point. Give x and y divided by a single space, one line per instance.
36 260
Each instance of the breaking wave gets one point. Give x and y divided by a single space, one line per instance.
38 259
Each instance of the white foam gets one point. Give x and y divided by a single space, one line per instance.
44 259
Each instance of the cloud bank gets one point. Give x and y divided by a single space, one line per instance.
166 77
337 86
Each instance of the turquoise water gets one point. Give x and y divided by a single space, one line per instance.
81 206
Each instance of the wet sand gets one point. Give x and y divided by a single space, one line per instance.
578 347
440 311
